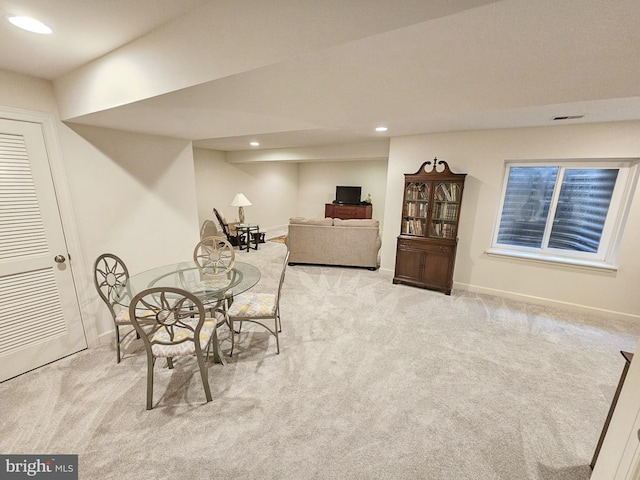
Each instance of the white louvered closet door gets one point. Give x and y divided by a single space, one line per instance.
39 314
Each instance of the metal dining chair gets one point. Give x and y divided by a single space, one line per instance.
110 278
215 258
181 328
208 229
257 308
214 255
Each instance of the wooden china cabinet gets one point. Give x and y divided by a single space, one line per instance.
426 248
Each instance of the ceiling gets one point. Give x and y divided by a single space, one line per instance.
330 72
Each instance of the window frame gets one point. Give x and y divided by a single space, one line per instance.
618 212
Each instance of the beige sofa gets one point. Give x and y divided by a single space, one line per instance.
332 241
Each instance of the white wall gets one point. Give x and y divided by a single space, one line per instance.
482 154
133 195
318 181
28 93
281 190
271 187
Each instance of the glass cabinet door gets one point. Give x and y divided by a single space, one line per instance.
416 208
444 215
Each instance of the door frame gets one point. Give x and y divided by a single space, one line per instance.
48 123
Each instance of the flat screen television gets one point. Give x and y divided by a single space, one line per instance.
349 195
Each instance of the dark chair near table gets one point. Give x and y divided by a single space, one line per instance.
258 308
181 329
229 229
110 276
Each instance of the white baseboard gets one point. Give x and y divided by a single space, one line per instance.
536 300
109 336
546 301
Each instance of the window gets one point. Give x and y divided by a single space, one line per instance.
569 212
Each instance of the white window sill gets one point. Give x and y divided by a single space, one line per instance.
553 259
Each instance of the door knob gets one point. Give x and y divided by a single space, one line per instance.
59 258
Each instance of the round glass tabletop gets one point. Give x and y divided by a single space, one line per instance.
201 282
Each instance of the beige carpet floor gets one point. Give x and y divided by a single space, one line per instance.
374 381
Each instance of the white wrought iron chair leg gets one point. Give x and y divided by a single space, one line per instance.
150 365
218 356
118 354
233 335
205 377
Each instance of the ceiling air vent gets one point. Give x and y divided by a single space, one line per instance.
568 117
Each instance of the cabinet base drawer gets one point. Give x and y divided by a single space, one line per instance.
411 283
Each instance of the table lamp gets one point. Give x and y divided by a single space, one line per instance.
240 201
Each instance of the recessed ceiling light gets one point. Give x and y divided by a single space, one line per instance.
254 144
30 24
381 129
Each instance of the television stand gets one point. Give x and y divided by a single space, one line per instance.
346 211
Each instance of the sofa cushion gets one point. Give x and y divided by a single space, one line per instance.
355 222
311 221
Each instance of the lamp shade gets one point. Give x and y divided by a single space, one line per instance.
240 201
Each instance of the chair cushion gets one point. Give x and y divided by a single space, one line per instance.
253 305
186 347
122 317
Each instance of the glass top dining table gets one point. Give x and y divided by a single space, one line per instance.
208 286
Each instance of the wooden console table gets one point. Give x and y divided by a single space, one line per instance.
346 211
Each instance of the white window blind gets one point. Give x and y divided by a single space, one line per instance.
564 211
